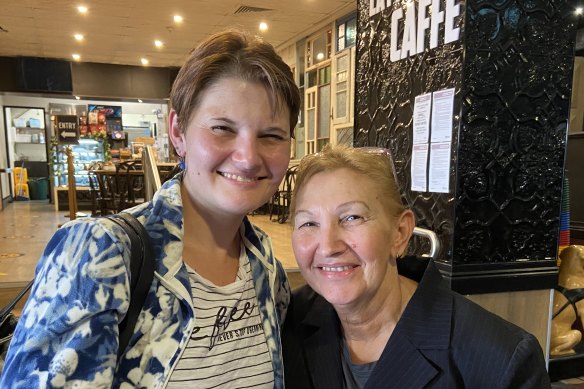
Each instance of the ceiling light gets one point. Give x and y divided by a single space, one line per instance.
320 56
178 19
579 11
144 61
77 97
78 37
76 57
139 100
82 9
263 26
158 43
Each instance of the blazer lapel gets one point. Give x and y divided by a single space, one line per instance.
401 366
421 339
322 348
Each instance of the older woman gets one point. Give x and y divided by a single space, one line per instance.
370 319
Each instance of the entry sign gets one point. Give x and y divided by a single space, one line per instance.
67 129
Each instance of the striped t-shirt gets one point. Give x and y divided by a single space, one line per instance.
227 348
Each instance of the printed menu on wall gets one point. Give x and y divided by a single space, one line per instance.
432 138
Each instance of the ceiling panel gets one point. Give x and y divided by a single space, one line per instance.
123 31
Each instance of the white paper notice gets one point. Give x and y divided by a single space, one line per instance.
418 170
422 106
439 167
442 106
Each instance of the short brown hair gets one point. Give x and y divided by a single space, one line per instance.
375 164
234 53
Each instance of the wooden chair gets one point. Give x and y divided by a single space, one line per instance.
107 197
280 204
167 172
130 185
93 193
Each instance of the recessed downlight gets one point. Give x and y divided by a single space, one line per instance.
78 37
82 9
76 56
158 43
263 26
144 61
177 18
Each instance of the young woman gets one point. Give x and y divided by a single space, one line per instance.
213 314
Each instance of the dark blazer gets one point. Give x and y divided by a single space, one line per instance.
442 340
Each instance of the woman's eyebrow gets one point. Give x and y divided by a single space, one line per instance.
224 119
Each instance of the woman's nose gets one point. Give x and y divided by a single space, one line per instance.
330 242
247 153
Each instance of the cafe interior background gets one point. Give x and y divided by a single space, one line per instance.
110 66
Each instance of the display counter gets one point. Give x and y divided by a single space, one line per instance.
86 199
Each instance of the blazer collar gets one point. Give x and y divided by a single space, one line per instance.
422 334
426 321
322 347
406 361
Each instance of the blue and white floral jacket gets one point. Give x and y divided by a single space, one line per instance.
67 335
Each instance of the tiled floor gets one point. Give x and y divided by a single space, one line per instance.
281 238
25 228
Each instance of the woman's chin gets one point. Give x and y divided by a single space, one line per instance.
339 297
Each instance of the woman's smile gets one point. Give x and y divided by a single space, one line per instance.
240 178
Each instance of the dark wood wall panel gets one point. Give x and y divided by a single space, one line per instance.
512 74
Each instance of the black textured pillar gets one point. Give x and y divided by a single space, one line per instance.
510 64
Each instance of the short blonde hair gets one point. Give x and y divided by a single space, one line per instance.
373 163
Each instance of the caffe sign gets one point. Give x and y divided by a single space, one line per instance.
408 24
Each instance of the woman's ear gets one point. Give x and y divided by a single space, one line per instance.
176 134
405 222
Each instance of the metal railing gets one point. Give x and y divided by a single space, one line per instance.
432 237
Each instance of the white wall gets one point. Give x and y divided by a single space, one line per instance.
577 104
3 157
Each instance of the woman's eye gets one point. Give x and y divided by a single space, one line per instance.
351 218
221 129
306 224
274 136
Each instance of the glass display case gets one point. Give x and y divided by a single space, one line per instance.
87 152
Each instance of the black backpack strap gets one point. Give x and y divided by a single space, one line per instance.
142 273
8 308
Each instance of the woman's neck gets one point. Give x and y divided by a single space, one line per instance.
211 243
367 327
